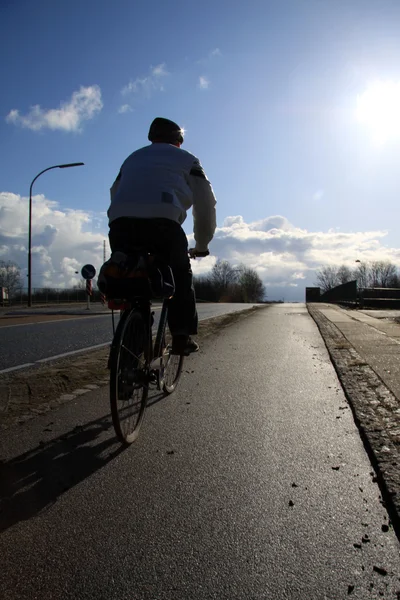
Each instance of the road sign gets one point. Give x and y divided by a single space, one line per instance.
88 272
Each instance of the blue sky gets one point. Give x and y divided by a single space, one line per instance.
267 92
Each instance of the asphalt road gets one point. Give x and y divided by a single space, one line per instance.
29 343
250 482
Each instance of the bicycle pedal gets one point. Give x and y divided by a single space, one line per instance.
153 378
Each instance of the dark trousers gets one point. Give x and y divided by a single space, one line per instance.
167 239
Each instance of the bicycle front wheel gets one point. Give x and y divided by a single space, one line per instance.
129 376
173 365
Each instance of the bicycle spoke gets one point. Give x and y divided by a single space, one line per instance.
173 365
130 352
128 377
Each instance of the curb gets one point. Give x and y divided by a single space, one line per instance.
372 405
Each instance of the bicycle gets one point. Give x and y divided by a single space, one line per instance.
136 362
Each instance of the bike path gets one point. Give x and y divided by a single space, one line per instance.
244 484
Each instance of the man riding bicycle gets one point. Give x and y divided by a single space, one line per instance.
150 197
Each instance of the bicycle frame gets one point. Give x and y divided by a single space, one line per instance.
154 364
136 360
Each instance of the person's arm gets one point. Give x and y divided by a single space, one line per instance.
204 214
115 186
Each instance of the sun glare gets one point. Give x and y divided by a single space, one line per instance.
379 109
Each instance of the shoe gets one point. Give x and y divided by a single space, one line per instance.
191 346
183 345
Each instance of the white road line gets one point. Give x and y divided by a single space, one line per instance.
48 359
52 321
16 368
76 318
56 356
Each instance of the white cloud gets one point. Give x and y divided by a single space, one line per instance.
124 109
83 105
146 86
233 221
203 83
159 70
276 222
203 266
63 240
287 257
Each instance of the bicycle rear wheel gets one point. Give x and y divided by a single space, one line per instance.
129 376
173 365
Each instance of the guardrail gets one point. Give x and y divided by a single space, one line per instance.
365 298
51 296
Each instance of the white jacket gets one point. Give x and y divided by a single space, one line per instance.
162 180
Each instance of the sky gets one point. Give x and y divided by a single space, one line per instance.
293 108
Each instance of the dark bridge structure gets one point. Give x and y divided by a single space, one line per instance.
350 295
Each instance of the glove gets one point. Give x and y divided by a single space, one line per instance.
193 253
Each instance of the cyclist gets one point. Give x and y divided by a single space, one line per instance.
150 197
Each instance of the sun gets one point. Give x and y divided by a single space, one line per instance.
378 108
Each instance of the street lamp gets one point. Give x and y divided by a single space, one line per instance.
30 223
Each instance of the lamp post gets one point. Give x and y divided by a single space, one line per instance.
359 297
30 223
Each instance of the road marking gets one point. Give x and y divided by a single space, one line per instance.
76 318
16 368
52 321
49 358
72 352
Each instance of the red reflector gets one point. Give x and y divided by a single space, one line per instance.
119 305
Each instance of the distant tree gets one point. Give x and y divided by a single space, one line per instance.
10 277
204 288
81 285
230 284
344 274
394 281
362 275
250 284
382 272
374 274
327 278
222 277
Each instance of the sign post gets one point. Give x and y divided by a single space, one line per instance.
88 272
89 292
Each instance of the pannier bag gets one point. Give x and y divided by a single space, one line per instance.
130 276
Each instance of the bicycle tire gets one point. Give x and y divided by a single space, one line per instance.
173 367
128 372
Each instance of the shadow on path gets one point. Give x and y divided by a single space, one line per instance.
34 480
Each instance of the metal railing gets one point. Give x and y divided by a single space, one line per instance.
51 296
